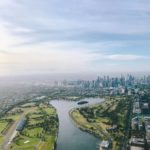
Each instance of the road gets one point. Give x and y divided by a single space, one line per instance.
127 130
9 134
12 130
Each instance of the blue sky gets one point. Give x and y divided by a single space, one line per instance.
74 36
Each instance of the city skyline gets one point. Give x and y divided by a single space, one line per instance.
75 36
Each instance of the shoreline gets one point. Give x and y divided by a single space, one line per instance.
84 129
79 126
97 127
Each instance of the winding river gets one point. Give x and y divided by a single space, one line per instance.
69 136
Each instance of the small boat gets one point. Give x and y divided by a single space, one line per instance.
82 102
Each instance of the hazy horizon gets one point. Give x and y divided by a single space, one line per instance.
50 78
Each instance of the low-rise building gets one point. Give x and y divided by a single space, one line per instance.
145 108
136 108
137 142
21 124
105 145
147 128
136 148
137 123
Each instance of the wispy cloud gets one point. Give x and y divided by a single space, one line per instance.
71 35
127 57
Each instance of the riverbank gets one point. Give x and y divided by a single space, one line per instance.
71 137
106 120
82 125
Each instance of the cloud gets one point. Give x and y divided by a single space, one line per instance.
68 36
91 21
127 57
22 30
5 2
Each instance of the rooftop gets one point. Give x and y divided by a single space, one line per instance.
104 144
136 148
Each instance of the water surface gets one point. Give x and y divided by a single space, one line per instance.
69 136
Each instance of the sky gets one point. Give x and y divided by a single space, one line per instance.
74 36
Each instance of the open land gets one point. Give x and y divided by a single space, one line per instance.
107 120
39 132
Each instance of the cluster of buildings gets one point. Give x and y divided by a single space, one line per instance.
107 81
104 86
140 125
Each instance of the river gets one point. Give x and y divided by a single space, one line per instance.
69 136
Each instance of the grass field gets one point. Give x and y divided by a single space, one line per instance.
48 145
99 119
13 117
3 125
19 143
33 132
40 131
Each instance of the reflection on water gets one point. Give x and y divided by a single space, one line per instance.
69 136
